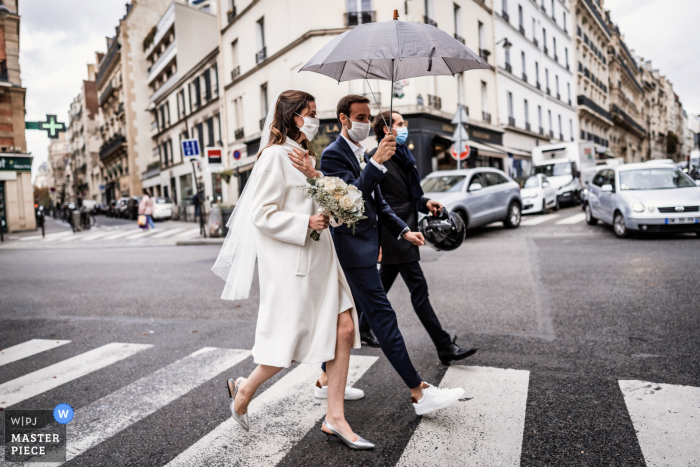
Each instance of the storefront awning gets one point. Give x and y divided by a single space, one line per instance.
487 149
513 151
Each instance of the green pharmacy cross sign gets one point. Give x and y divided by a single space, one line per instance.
51 126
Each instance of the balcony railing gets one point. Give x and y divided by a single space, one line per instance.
558 96
584 100
551 134
107 61
505 16
522 30
111 146
578 31
549 92
524 77
556 58
239 134
511 121
546 50
527 126
485 116
616 110
355 18
231 14
580 67
509 68
601 22
261 55
435 102
541 131
534 41
483 53
236 72
538 85
429 21
460 39
106 93
561 136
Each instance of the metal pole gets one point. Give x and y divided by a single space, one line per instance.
391 101
459 112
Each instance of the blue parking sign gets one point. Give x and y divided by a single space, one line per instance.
190 148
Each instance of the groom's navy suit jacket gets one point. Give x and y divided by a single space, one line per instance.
361 249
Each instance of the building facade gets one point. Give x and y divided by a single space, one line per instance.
184 103
59 159
593 98
16 191
535 80
264 43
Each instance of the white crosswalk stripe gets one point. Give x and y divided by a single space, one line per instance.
120 234
484 428
279 417
55 375
27 349
95 236
141 234
575 219
188 234
168 233
539 219
57 236
666 418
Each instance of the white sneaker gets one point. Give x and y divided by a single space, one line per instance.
351 394
435 398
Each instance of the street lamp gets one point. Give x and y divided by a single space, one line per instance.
506 43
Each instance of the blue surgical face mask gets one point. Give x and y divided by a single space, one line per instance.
401 135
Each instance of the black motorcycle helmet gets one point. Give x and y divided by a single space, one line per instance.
444 231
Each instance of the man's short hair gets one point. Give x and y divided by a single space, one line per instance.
378 123
345 102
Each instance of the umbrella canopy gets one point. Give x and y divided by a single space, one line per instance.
414 49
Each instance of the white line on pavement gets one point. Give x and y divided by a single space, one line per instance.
168 232
52 376
666 418
31 237
281 416
188 234
120 234
57 236
27 349
539 219
575 219
483 428
97 235
142 234
113 413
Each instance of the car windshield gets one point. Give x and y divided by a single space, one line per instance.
443 184
654 179
530 182
553 170
163 200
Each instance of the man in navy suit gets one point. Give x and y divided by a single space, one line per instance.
345 158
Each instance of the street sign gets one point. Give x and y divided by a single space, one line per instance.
237 154
460 116
15 163
51 126
463 153
190 149
460 134
214 156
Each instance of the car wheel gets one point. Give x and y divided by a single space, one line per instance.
590 220
556 204
513 218
462 215
544 207
619 226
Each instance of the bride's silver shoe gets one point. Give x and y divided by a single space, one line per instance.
361 443
241 419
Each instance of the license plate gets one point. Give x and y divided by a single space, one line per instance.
682 220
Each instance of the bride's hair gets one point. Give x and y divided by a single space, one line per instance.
283 125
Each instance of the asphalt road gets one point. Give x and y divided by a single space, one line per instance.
568 309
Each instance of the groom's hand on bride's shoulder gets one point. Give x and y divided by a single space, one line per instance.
414 237
303 163
386 149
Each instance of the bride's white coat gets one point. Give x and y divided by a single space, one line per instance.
302 285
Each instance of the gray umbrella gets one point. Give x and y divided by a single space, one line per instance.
393 50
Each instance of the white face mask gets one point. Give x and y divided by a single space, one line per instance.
359 131
310 127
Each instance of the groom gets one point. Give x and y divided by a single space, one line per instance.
345 158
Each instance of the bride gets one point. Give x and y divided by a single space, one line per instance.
307 313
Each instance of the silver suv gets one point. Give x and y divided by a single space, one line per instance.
480 196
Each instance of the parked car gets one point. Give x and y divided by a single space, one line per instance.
100 209
132 208
120 207
480 196
538 194
644 197
162 208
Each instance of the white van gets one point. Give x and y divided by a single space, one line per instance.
563 165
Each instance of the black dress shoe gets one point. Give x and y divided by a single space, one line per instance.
367 338
454 352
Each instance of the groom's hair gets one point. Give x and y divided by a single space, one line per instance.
346 102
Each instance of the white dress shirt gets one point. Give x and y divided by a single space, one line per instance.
359 150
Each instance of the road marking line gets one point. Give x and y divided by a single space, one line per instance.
169 232
56 236
27 349
119 235
55 375
31 237
485 429
140 235
188 234
666 418
281 416
97 235
117 411
539 219
575 219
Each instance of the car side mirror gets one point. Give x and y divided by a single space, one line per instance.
607 188
545 184
475 187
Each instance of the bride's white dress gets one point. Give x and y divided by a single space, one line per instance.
302 285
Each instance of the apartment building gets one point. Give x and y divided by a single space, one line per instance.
535 80
628 138
85 141
59 158
184 102
591 43
264 43
123 96
16 192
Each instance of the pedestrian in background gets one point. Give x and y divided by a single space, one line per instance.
146 209
402 191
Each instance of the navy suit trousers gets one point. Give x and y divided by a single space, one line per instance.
414 278
370 299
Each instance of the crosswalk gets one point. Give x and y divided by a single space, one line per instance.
484 428
565 218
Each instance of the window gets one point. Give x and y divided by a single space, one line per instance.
561 129
564 22
571 128
544 39
167 113
599 178
520 17
552 12
522 58
458 19
534 30
556 80
527 113
200 134
508 58
546 78
181 110
217 117
260 33
207 85
510 105
359 12
210 132
549 115
214 70
481 35
234 60
164 154
504 7
568 91
429 8
263 100
195 95
566 56
484 98
493 178
539 115
554 48
537 72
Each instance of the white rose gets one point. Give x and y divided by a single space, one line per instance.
329 185
341 184
346 202
353 189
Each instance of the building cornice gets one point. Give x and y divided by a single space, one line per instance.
239 16
304 37
483 5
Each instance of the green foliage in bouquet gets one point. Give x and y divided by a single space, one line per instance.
339 200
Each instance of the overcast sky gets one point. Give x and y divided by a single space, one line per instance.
58 38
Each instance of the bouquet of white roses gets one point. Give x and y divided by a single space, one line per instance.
340 201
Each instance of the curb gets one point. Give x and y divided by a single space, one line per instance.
201 241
